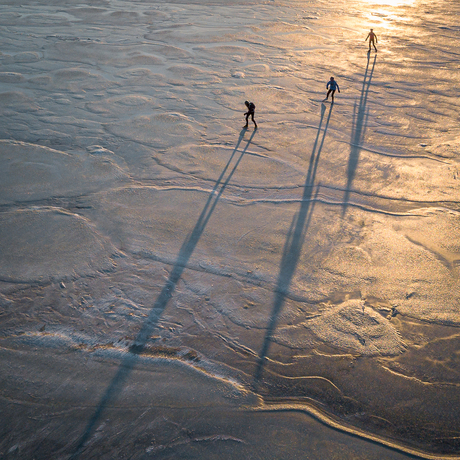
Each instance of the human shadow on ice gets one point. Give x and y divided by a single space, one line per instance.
293 245
360 118
188 246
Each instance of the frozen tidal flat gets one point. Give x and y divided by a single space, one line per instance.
172 286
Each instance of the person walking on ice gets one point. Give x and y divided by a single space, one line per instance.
372 40
331 86
251 109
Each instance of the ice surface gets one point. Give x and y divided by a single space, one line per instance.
179 262
50 244
351 326
32 172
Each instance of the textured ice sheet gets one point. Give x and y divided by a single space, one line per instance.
406 261
30 172
256 168
221 236
49 244
247 259
184 414
159 130
349 326
379 255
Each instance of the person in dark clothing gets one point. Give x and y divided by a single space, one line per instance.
331 87
251 109
372 39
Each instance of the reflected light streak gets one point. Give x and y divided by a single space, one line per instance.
387 14
390 2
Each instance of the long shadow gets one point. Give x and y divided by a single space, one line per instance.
129 361
293 245
360 117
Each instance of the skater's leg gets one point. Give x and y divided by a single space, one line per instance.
252 117
247 117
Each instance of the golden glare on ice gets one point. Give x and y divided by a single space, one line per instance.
390 2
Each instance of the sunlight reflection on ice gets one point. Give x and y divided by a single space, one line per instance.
391 2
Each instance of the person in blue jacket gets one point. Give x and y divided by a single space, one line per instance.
331 86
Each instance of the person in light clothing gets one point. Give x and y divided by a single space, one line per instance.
372 39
